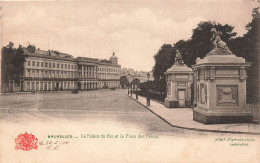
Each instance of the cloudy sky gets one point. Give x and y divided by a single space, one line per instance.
135 30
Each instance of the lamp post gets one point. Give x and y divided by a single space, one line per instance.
147 95
148 76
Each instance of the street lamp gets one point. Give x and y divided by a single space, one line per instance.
147 95
148 76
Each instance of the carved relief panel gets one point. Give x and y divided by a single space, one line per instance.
227 95
203 93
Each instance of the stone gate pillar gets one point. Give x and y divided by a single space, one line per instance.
220 86
179 78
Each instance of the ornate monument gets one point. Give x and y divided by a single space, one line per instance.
220 86
179 79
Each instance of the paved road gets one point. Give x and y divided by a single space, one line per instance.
105 106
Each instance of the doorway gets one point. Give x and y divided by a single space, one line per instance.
181 98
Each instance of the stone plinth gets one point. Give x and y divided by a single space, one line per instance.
179 80
220 89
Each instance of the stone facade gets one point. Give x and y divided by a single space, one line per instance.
48 70
220 88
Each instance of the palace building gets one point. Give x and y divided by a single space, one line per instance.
52 70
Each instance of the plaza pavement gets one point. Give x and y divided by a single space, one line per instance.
183 118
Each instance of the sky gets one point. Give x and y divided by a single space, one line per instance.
134 30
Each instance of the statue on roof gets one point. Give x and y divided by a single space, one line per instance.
220 47
178 59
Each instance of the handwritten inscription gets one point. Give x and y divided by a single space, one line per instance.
53 145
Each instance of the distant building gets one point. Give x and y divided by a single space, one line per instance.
52 70
132 74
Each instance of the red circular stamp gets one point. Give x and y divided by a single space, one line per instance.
26 142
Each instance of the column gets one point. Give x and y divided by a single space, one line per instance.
82 71
188 88
92 71
95 72
86 72
173 90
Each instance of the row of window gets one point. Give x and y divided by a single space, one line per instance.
50 74
108 69
66 66
104 76
109 84
51 65
49 85
65 74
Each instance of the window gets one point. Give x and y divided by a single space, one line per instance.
33 63
49 64
58 65
65 66
71 66
68 66
38 64
61 65
29 63
46 64
42 64
28 73
53 65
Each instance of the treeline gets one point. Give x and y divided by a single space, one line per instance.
12 66
199 45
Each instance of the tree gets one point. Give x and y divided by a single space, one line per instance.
248 48
12 65
124 81
197 46
163 60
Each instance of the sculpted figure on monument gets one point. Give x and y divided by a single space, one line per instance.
220 47
178 58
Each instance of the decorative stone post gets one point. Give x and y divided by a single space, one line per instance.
220 86
179 78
